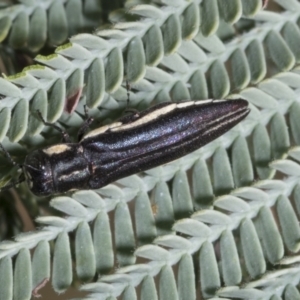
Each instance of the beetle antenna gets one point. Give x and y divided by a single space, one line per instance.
9 157
65 135
13 183
13 162
29 167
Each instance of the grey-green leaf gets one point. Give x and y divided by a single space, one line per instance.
171 30
153 44
167 284
241 163
103 244
269 235
186 278
124 236
209 274
84 252
280 53
288 223
231 270
62 264
57 23
144 220
19 120
256 60
219 80
19 32
222 175
22 276
252 252
182 201
209 17
148 289
114 70
37 29
41 263
6 278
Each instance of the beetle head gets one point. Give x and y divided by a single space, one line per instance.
38 173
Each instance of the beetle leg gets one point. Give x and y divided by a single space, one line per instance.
85 125
65 135
129 111
128 88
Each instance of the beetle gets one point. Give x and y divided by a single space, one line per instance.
135 143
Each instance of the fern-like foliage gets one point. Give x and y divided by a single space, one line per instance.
221 222
31 24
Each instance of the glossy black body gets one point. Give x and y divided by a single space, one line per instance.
135 143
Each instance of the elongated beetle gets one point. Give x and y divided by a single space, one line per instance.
135 143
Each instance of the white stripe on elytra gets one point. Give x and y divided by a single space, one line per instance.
148 118
224 117
64 177
222 124
102 130
56 149
185 104
162 111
